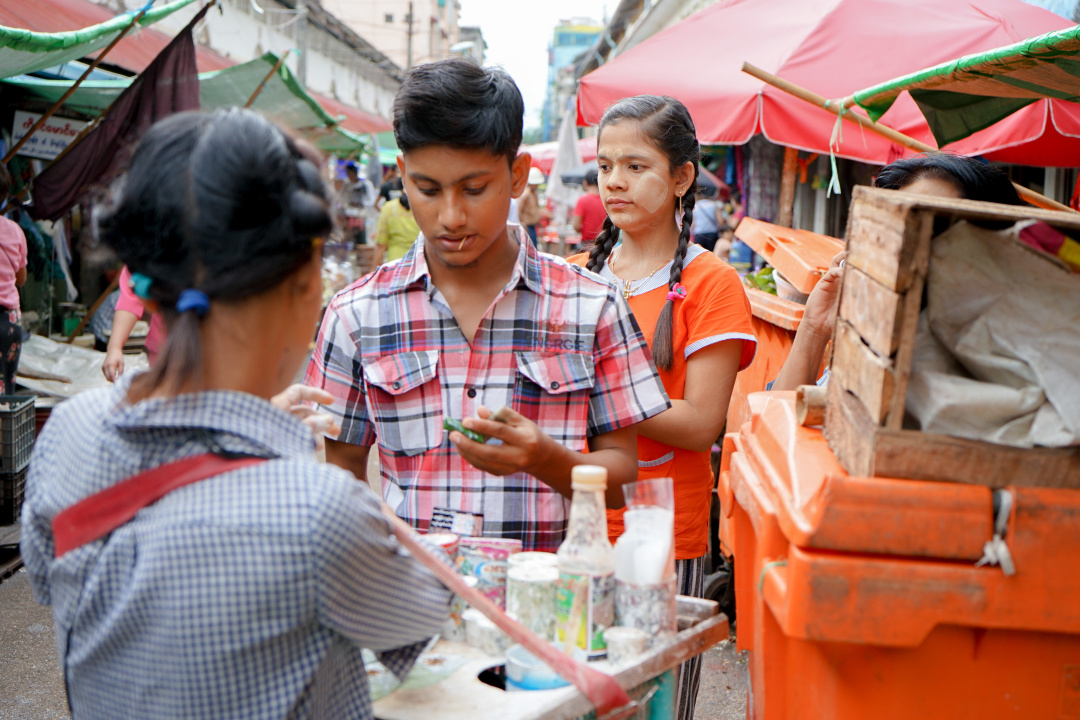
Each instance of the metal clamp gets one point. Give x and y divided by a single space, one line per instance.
995 551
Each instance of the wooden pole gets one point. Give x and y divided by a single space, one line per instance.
277 66
93 309
786 215
837 108
63 98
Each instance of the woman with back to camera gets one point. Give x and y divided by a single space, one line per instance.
249 593
939 174
690 305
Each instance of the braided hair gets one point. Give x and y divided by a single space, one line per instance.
667 122
227 204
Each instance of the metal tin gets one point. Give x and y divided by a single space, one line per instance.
530 596
486 559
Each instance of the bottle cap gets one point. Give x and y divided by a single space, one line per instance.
589 477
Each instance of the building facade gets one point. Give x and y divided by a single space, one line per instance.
339 62
570 39
410 32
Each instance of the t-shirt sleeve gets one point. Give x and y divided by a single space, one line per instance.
336 368
718 311
128 300
627 388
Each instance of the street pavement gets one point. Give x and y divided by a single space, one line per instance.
31 687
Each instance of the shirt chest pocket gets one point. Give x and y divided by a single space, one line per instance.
404 398
549 390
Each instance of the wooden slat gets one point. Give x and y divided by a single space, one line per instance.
925 456
909 323
883 238
849 430
859 370
873 310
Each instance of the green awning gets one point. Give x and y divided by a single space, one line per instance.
283 99
23 51
963 96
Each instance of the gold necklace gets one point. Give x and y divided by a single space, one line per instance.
628 288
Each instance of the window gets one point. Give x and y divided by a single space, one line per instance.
389 17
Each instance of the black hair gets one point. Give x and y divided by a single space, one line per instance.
592 177
974 179
404 200
459 104
5 182
667 123
227 204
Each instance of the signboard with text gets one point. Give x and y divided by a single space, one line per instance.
49 140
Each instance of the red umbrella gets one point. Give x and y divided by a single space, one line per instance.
544 154
833 47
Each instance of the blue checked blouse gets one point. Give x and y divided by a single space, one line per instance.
247 595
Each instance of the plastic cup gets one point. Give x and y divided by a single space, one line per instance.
658 492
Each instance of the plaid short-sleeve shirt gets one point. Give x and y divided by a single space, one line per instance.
558 345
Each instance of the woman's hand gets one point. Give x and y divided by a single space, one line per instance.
292 400
820 313
113 366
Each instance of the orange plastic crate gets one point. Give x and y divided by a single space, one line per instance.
859 597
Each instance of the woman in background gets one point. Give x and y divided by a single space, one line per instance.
12 277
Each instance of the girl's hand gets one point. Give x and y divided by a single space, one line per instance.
524 445
113 366
292 401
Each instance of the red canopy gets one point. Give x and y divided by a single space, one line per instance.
833 47
356 121
134 53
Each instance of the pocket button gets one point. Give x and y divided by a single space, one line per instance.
471 392
397 385
555 386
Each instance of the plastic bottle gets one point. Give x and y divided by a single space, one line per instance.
586 563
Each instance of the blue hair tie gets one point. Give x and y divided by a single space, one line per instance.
140 285
193 300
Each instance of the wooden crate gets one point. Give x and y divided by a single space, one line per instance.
889 237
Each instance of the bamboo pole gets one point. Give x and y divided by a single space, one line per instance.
71 90
277 66
786 215
838 108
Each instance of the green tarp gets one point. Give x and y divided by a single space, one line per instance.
283 99
961 97
23 51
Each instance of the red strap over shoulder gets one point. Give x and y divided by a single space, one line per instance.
98 515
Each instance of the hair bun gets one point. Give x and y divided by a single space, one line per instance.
310 177
309 213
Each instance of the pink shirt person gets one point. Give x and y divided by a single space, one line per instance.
130 302
13 247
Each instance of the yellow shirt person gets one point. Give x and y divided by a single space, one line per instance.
397 228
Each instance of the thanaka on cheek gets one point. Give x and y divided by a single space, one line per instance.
650 192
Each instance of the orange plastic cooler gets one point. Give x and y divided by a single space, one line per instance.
860 597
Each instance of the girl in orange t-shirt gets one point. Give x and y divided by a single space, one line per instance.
686 300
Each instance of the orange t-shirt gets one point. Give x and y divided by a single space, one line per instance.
714 310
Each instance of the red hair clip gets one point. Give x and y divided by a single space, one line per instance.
677 293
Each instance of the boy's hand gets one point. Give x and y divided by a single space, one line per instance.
523 446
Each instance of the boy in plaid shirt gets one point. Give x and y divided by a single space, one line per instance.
474 318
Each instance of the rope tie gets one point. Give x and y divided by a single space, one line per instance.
995 551
835 139
765 569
